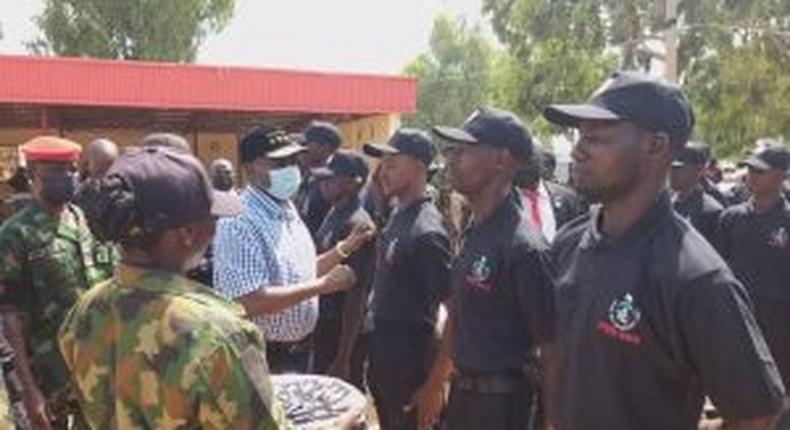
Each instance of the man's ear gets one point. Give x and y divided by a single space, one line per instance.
660 147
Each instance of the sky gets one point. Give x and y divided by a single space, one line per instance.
367 36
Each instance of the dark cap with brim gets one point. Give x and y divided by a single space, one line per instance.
271 143
405 141
343 163
492 127
571 115
693 154
648 103
323 133
171 189
768 158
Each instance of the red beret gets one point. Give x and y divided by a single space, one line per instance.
51 148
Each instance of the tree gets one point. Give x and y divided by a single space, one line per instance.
736 68
740 96
159 30
454 75
733 57
557 52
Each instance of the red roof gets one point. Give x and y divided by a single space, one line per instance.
52 81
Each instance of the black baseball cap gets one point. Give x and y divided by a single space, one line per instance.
323 133
768 157
170 188
491 126
344 163
406 141
626 96
693 154
268 142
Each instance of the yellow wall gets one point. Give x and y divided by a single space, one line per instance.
211 146
375 129
208 147
122 137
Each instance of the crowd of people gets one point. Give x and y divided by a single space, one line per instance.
444 272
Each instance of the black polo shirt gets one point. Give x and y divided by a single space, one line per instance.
702 211
412 271
649 324
757 247
337 225
311 204
504 293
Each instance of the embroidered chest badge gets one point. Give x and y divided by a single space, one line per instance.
480 274
623 316
778 238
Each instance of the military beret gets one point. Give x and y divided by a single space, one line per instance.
51 148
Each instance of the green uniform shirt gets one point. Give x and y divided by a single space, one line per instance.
45 265
150 349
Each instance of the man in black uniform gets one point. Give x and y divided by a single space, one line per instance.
322 140
412 279
753 238
502 313
341 313
650 319
690 199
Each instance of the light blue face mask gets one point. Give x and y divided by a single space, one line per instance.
284 182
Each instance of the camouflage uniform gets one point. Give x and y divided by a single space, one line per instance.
45 265
151 349
6 419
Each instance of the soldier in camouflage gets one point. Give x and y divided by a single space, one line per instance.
48 258
149 348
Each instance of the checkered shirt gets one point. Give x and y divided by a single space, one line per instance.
267 246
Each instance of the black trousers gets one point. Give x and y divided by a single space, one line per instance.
773 316
472 410
327 340
359 362
399 365
290 357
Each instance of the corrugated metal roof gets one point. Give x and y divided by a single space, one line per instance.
54 81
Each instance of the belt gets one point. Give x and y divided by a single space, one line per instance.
490 383
297 347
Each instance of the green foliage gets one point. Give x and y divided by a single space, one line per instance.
454 75
739 96
159 30
733 58
557 53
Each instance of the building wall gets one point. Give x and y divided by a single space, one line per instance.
207 146
370 129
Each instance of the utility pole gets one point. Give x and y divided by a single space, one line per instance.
671 40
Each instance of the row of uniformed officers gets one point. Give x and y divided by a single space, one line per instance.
629 319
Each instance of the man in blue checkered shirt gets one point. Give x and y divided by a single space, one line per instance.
266 260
